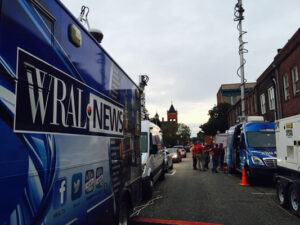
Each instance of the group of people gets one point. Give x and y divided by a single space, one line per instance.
201 156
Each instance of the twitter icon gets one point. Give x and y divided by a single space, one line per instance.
76 186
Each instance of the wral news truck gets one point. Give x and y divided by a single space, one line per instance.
252 147
69 121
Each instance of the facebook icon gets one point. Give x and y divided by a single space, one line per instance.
60 192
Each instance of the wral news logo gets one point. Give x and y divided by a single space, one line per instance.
49 100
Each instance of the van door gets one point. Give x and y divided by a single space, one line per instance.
243 150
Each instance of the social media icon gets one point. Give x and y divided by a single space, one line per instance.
89 181
99 177
60 192
76 186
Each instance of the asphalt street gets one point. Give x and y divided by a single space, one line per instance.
215 198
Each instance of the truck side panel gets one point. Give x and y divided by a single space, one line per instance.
69 121
288 143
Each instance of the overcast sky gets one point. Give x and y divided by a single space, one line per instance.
189 48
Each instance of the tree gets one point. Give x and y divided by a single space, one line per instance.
156 121
200 136
169 131
184 134
218 119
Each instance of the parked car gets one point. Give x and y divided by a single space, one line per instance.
175 154
181 150
168 161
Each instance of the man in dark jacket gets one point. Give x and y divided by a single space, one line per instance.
215 158
222 154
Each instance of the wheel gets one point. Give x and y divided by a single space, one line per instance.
171 167
249 176
281 194
162 175
123 215
148 189
294 199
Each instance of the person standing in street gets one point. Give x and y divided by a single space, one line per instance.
194 157
207 149
215 158
200 156
222 154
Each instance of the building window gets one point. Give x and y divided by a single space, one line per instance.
263 103
286 87
295 79
271 96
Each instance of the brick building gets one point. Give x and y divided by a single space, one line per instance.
231 93
265 94
172 114
277 91
287 64
251 108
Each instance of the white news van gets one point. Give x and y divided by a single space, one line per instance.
288 163
152 156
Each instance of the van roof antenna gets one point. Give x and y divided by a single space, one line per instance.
83 16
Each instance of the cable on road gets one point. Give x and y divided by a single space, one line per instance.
137 210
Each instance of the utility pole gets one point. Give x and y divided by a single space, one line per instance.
238 13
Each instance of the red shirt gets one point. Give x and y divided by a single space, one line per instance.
215 152
207 149
198 149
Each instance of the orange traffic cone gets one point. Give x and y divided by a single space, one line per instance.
244 181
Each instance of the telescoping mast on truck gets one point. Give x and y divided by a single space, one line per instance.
69 120
252 147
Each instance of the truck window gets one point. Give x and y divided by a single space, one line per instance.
261 139
144 142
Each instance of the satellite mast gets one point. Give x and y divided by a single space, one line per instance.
238 16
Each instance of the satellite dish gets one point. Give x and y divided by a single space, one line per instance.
97 34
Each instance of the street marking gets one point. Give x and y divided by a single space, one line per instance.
174 171
174 222
259 193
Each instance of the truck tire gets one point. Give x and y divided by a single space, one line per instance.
282 196
162 174
148 189
294 199
123 214
249 176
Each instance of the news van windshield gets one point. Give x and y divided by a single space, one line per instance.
261 139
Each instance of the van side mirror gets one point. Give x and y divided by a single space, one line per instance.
154 149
